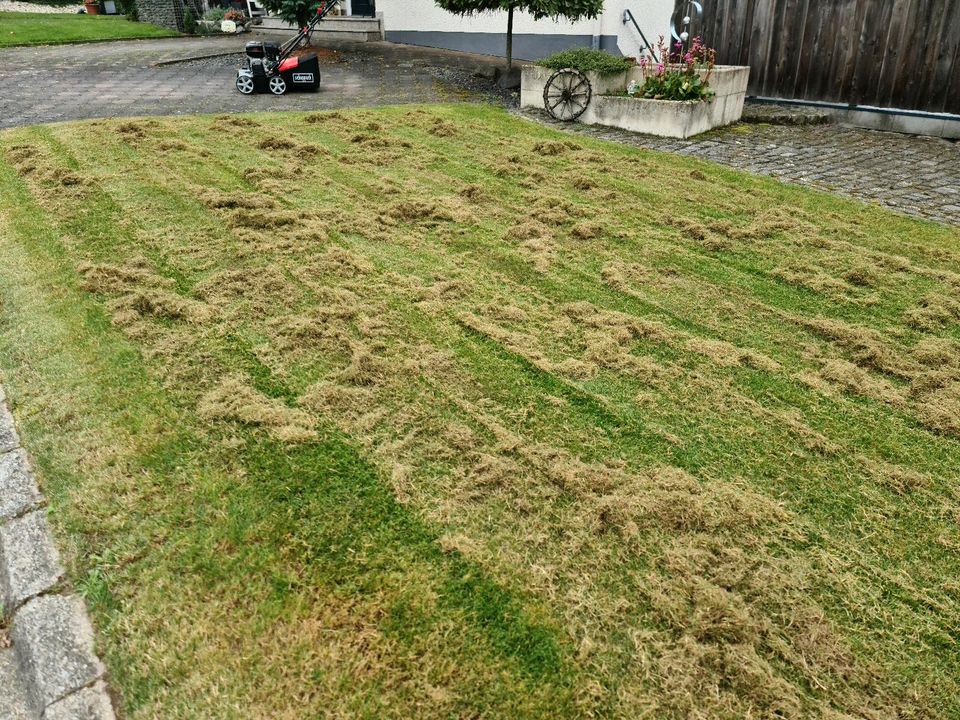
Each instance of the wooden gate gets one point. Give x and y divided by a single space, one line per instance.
887 53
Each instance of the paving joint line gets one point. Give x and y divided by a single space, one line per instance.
52 636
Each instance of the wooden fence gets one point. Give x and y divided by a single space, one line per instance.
888 53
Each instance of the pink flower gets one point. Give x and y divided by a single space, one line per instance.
660 68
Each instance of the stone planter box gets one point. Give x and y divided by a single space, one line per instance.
666 118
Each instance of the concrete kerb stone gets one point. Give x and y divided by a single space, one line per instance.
29 561
18 490
90 703
53 641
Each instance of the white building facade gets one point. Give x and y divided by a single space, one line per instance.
422 22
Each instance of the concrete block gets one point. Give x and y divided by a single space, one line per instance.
14 704
18 488
8 431
54 643
90 703
29 561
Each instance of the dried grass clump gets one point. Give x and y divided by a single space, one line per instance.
811 278
344 404
110 279
260 289
587 230
133 130
933 312
696 230
553 147
324 117
727 354
937 352
276 143
139 293
234 400
863 275
235 200
556 211
899 479
416 211
623 276
22 153
528 230
541 252
365 368
343 262
67 178
606 352
868 347
584 183
159 304
235 120
473 193
855 379
441 128
243 217
619 326
445 290
325 327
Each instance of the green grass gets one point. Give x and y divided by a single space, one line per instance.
434 412
17 28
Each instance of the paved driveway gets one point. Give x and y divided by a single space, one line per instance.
47 84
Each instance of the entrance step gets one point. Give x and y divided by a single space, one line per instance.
344 27
14 704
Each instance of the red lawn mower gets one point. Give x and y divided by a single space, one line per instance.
273 67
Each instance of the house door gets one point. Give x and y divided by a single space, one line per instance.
363 8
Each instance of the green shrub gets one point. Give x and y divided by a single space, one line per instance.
129 9
189 22
215 14
586 60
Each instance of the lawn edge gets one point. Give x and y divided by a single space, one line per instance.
53 638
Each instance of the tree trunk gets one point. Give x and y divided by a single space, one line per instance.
510 38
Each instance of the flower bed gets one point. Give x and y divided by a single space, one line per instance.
612 106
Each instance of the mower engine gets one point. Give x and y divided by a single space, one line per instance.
265 68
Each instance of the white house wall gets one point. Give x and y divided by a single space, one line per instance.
421 22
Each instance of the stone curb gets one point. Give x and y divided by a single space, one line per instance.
51 632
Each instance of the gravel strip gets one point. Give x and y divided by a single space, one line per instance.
15 6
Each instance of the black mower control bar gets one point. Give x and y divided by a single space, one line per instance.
293 43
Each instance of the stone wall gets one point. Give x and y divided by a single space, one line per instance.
165 13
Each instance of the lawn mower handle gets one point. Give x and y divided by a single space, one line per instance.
293 43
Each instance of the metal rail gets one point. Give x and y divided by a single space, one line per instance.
628 17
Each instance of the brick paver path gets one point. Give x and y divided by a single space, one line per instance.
919 176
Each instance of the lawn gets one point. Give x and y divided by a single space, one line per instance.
435 412
18 28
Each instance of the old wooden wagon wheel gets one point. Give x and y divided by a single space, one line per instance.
567 94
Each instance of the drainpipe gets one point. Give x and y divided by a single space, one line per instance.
597 32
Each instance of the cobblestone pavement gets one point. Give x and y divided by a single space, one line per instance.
68 82
918 176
